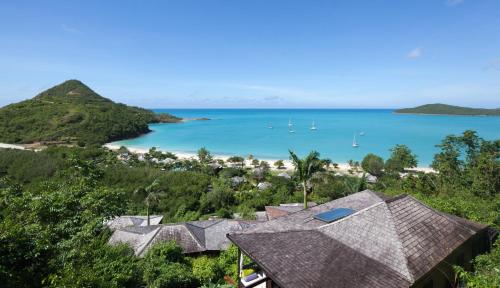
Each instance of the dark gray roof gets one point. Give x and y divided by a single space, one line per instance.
193 237
303 219
399 240
315 260
125 221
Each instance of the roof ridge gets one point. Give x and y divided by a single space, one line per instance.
408 275
198 241
149 241
399 242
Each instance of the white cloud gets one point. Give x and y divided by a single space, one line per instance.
69 29
415 53
493 65
454 2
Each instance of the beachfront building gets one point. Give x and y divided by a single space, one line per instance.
362 240
193 237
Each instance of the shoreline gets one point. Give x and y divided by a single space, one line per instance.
342 167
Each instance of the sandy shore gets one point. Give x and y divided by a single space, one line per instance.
342 167
11 146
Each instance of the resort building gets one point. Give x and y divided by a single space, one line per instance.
362 240
194 237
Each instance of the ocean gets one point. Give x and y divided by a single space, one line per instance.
246 131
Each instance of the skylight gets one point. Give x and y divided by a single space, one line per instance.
334 214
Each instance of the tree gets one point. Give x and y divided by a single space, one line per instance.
165 267
305 168
236 160
279 164
373 164
255 162
204 156
152 193
400 159
326 163
264 165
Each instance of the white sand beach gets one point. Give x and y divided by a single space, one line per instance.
11 146
342 167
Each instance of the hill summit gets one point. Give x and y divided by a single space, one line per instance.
71 112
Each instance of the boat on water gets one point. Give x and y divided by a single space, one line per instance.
362 133
269 126
313 127
290 126
354 143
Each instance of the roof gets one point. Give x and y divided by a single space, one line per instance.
386 243
125 221
285 209
193 237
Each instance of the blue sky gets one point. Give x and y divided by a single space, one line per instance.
235 53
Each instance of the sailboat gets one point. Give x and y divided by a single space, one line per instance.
290 126
354 144
313 127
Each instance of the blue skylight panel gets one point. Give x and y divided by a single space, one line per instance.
334 214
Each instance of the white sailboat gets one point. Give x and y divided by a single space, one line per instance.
313 127
290 126
354 144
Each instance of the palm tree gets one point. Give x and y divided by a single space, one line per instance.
152 193
305 168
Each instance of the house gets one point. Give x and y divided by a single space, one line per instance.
371 179
284 175
362 240
127 221
264 185
194 236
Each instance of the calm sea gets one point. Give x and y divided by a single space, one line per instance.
246 131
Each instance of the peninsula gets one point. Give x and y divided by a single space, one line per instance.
444 109
73 113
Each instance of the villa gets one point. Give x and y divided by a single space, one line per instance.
194 237
363 240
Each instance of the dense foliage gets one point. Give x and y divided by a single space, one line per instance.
53 204
71 112
443 109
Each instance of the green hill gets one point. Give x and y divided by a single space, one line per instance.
72 112
443 109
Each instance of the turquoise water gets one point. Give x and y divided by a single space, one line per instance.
245 131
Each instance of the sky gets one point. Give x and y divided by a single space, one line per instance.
256 54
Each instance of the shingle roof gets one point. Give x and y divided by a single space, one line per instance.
303 219
125 221
193 237
315 260
400 239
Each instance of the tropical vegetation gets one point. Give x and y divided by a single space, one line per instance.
54 203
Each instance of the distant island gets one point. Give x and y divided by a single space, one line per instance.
73 113
443 109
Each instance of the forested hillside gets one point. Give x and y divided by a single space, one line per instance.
443 109
71 112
